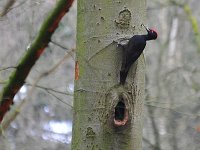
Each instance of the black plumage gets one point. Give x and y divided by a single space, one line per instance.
133 50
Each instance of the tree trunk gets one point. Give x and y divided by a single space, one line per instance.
107 115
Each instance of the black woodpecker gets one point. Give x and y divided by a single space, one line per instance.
132 51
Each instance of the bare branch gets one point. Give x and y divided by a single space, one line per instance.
7 7
6 68
20 4
15 110
59 99
59 45
50 89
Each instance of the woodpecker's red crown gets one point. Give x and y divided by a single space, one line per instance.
151 33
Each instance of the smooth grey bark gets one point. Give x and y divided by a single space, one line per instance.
97 91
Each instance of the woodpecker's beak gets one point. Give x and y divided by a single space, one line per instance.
145 27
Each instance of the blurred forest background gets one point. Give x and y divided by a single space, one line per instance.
172 104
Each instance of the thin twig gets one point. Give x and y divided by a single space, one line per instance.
20 4
59 99
7 7
59 45
173 110
15 110
6 68
50 89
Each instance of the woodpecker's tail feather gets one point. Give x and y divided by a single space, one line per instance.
123 75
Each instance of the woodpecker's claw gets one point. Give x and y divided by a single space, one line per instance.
122 42
120 45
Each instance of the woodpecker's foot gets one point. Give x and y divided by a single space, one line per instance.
120 46
122 42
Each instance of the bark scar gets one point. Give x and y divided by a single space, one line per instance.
76 70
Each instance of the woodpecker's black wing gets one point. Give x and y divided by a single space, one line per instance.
131 51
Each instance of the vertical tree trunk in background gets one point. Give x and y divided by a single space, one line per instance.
107 115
